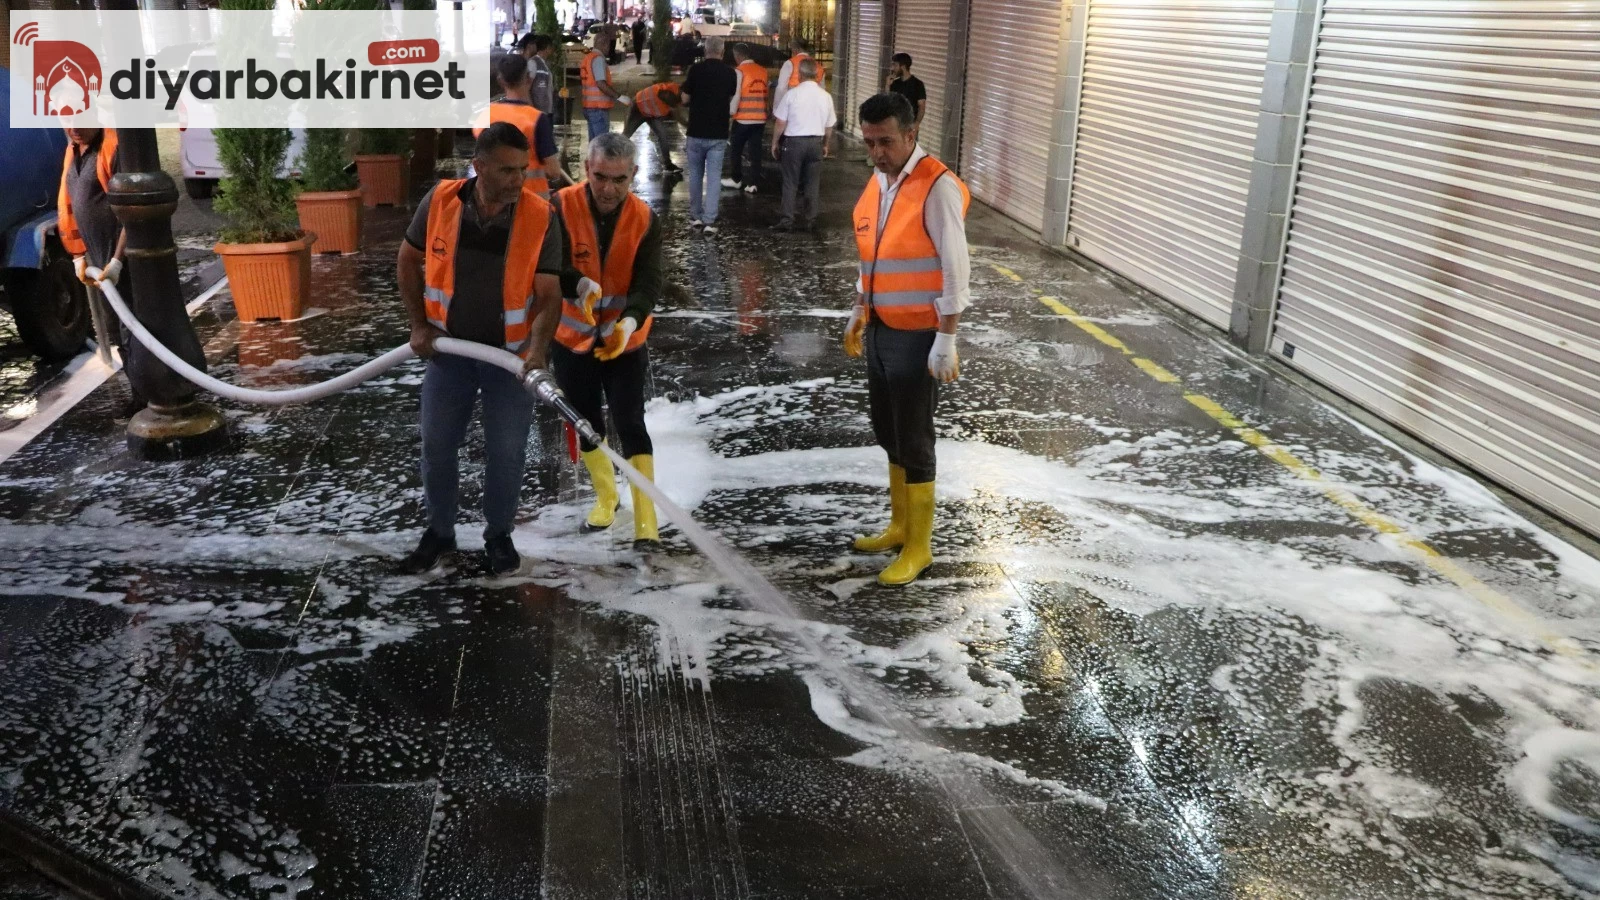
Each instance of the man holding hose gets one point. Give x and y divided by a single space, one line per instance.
481 262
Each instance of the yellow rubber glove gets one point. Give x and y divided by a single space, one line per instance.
588 298
854 330
612 345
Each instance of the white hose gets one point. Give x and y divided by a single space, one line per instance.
287 396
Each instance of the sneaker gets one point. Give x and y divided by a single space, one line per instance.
783 226
749 189
696 223
710 228
730 183
428 553
503 556
672 169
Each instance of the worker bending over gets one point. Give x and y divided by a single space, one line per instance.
654 107
481 262
610 283
544 159
910 226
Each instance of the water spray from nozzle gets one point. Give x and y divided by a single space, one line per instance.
542 385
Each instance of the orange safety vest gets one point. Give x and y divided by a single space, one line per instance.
752 94
794 69
66 224
650 102
900 272
526 118
528 225
614 274
593 97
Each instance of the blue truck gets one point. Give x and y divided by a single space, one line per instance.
49 304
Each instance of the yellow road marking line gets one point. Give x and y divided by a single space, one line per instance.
1338 495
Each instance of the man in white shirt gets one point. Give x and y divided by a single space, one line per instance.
911 237
804 121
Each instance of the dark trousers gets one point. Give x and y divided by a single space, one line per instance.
620 384
747 135
802 171
450 389
658 130
901 397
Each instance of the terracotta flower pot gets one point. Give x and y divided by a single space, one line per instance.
334 217
383 178
269 281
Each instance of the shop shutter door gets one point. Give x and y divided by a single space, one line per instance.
1006 119
1444 256
922 29
866 55
1166 134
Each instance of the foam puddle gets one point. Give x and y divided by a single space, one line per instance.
1136 548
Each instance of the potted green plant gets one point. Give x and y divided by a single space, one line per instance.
330 199
265 253
381 164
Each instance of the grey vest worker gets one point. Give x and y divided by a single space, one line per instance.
543 85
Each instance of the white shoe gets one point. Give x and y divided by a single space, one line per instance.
696 223
730 183
711 229
749 189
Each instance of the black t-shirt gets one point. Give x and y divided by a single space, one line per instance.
909 87
710 87
477 312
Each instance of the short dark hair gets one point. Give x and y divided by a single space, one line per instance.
903 59
526 41
741 50
500 134
801 45
511 69
542 42
882 107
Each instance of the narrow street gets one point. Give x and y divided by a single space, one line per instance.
1192 626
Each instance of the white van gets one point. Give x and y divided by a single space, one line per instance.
202 164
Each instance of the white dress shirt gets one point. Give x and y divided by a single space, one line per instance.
945 220
781 90
807 111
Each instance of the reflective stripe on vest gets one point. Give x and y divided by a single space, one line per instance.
901 276
593 97
649 101
752 94
66 222
528 225
614 274
526 118
794 69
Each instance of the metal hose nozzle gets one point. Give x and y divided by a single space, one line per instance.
542 385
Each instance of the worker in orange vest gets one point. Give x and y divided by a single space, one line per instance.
610 284
789 73
88 227
544 159
749 120
480 262
654 106
599 95
911 236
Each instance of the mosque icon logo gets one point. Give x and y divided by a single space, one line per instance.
66 74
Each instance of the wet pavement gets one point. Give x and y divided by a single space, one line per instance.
1197 631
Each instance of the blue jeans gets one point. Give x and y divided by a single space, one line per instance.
599 121
705 165
450 389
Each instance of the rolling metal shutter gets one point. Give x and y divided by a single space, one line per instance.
1009 104
922 29
1443 265
866 58
1166 135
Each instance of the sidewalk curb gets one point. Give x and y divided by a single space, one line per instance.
83 876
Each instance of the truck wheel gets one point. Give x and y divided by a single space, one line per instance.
199 188
51 308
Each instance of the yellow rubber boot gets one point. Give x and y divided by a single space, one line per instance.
917 552
644 509
895 534
604 478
